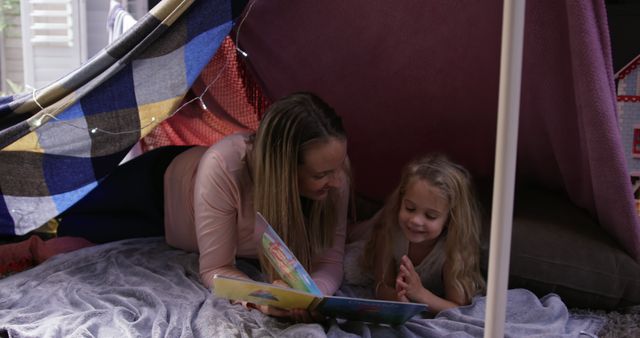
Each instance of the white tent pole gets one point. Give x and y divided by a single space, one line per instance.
505 165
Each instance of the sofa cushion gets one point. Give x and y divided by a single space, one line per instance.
557 247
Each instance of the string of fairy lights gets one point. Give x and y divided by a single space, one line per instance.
153 120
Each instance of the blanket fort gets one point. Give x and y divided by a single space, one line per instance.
54 156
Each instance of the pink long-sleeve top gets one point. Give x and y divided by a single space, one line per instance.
208 205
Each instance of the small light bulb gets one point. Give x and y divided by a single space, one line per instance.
202 105
242 52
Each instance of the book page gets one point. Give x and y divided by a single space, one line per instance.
261 293
283 260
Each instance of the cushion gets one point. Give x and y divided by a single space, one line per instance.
559 248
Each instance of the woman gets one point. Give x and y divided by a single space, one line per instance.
294 171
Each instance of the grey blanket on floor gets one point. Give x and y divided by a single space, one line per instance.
144 288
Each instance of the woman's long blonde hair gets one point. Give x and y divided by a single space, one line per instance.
289 125
462 230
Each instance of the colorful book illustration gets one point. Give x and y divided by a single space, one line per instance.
358 309
283 260
304 293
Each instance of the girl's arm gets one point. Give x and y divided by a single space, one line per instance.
411 285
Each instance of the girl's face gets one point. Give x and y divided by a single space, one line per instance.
322 168
424 212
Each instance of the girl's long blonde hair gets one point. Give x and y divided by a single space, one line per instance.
289 125
461 233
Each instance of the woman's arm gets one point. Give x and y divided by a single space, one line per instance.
215 216
384 288
327 267
384 272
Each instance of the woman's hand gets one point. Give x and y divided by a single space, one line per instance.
408 283
296 315
280 283
300 315
266 309
306 316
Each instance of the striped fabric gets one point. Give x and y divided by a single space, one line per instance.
60 141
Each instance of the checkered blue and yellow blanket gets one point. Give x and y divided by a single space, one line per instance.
59 141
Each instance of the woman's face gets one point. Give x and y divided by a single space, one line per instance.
322 168
424 212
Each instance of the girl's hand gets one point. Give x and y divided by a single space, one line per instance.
402 296
408 282
401 293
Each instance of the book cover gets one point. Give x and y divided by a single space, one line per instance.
261 293
359 309
369 310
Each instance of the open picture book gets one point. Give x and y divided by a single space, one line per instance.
304 293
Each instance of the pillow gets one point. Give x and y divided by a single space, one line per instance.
557 247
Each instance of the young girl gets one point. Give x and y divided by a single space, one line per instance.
425 244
